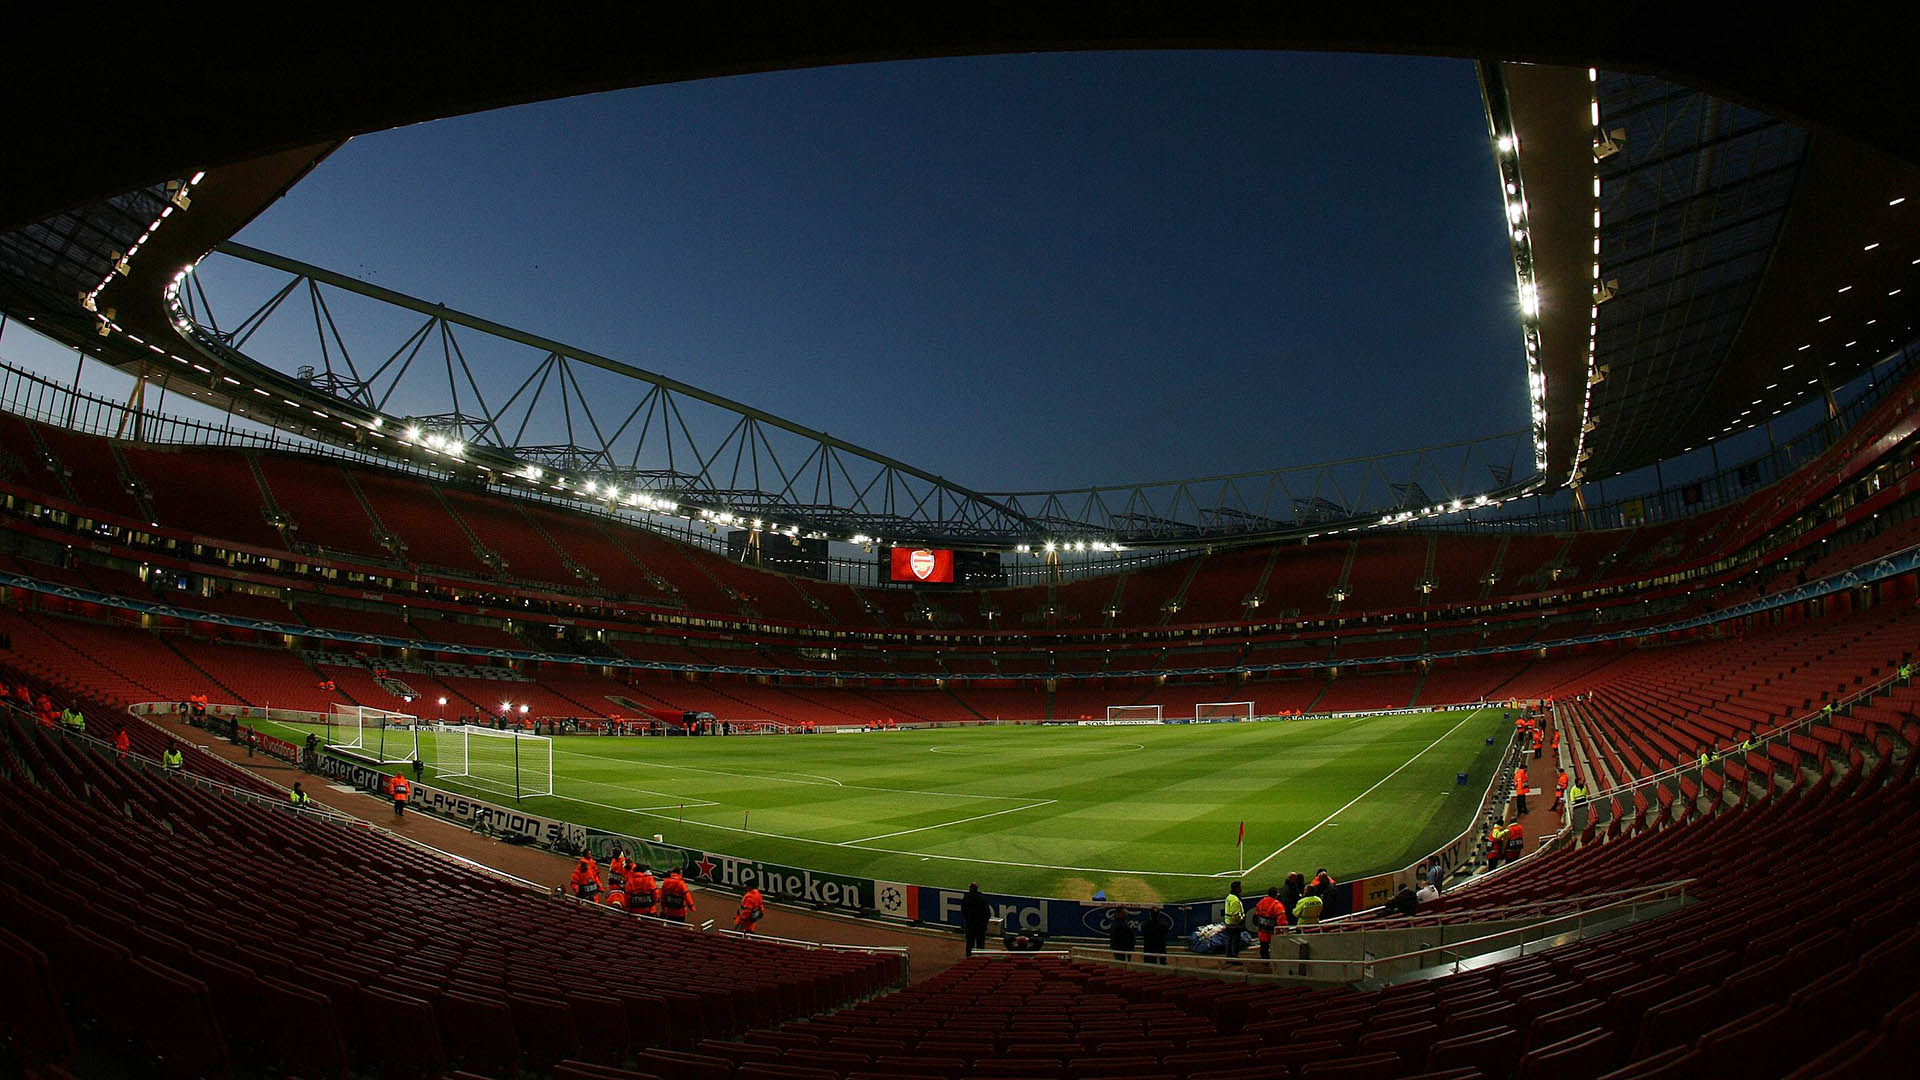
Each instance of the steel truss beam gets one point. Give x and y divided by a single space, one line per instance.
597 428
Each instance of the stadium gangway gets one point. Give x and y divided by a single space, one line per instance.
1362 965
708 926
1583 812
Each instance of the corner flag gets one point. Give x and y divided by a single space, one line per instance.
1240 846
1243 835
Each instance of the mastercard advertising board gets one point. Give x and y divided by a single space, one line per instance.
933 566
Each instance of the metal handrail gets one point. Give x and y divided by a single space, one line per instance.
1787 728
1250 968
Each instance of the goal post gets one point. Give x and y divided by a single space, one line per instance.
1133 714
1222 712
381 734
508 762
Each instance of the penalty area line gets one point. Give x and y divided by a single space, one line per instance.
1362 795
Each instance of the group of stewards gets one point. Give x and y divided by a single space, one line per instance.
1296 902
631 886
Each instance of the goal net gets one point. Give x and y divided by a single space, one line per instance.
1133 714
1222 711
381 734
509 762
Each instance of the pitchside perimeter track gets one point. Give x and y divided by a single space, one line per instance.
1146 813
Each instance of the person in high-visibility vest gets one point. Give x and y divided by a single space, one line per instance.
585 882
1520 789
1539 740
1306 910
753 908
643 892
1559 791
618 869
171 759
73 719
615 896
1576 791
675 898
1234 919
122 744
402 791
300 796
1516 840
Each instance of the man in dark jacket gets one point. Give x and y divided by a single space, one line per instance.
973 917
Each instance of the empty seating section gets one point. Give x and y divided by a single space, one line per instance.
502 528
387 958
584 540
679 564
455 632
1302 577
410 510
1220 591
178 481
1351 692
92 469
266 676
356 620
1653 709
1386 578
1461 562
317 497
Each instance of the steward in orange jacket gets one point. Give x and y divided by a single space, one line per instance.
643 893
402 791
675 899
753 908
122 745
585 881
1268 916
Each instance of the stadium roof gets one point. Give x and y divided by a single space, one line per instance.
1726 231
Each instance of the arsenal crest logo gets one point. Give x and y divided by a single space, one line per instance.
921 562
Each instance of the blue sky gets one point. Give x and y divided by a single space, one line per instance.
1017 271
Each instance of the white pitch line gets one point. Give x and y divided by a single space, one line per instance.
1362 795
785 779
693 804
959 821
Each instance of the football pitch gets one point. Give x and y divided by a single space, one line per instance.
1148 813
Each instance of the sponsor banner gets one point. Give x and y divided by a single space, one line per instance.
1201 720
1118 723
1064 918
514 824
897 901
348 771
787 882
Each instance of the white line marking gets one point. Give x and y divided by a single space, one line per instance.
1363 794
785 779
960 821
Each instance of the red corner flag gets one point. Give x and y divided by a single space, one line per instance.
1241 841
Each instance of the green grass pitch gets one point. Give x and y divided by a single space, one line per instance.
1146 813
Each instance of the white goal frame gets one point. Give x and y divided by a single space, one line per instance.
1240 710
372 732
1136 714
530 755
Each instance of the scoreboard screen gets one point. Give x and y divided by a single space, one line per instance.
922 565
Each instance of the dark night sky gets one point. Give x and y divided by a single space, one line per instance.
1017 272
